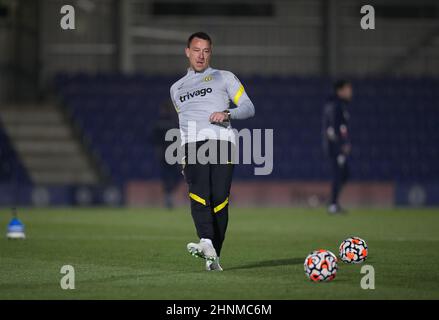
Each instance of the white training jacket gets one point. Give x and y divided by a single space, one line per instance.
199 94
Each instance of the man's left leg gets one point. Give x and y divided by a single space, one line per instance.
335 183
221 179
221 175
340 170
342 176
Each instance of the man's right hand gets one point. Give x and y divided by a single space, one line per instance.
330 132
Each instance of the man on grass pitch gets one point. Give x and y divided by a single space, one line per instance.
201 99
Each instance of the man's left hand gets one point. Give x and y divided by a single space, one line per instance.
217 117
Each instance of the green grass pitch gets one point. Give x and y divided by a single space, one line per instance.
141 254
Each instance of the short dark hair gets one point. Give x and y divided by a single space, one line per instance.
340 84
201 35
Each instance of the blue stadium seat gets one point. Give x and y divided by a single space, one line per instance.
11 167
394 124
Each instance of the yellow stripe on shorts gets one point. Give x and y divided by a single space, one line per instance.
197 198
221 206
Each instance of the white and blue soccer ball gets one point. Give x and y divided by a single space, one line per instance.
321 265
353 250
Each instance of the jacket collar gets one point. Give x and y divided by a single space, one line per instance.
191 71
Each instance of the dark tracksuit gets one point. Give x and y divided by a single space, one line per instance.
335 116
209 189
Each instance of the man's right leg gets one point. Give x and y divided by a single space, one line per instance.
198 178
335 185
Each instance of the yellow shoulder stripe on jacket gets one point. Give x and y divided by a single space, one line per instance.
238 94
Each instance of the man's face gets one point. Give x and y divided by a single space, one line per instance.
199 53
346 92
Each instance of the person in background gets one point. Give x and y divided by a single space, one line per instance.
336 139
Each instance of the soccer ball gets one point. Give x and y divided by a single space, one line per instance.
353 250
321 265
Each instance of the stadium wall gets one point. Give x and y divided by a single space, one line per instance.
271 194
126 36
291 41
244 194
